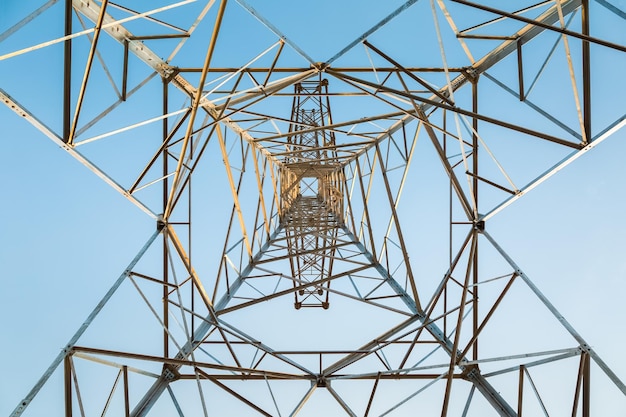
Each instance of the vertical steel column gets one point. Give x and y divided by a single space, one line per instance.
67 72
67 378
520 391
189 252
126 399
454 352
520 70
164 154
476 215
125 71
586 384
586 73
450 218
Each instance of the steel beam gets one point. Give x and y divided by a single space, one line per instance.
566 325
23 113
63 355
472 374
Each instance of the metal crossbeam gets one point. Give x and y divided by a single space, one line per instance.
307 170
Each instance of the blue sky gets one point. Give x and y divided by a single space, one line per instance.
68 236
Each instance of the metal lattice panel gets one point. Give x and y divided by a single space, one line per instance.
346 156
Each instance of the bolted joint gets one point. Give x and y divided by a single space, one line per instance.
160 223
321 382
471 74
168 72
479 225
321 66
170 373
470 372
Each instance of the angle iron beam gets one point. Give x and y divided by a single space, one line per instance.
366 215
265 90
194 109
615 127
454 354
260 180
525 34
586 384
304 399
72 342
373 29
21 111
85 352
475 194
569 354
234 191
482 325
546 24
612 8
474 375
275 30
566 325
67 72
302 69
233 393
303 286
408 73
430 103
173 237
340 400
157 389
83 87
163 152
333 126
586 62
67 379
396 221
579 379
145 54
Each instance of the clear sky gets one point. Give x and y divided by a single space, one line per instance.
66 235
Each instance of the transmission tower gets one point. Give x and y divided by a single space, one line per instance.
321 179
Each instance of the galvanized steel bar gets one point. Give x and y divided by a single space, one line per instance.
619 124
370 31
4 35
276 31
30 118
570 329
70 344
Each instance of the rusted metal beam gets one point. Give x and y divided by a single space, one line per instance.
90 57
545 25
67 73
586 63
194 108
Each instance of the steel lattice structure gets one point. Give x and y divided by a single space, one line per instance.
294 189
